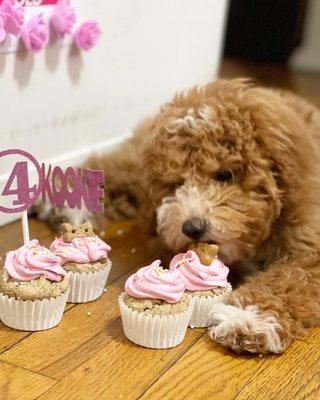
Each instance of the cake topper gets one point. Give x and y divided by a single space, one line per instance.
74 187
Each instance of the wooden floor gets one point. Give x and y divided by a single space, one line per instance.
88 356
302 83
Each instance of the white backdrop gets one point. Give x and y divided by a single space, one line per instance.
60 104
307 56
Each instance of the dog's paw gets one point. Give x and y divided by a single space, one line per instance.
56 216
245 329
120 206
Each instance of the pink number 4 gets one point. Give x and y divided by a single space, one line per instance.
20 172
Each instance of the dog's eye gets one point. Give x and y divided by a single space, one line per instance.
179 183
224 176
175 185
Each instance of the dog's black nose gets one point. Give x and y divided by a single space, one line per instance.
194 228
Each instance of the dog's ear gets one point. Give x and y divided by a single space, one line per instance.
86 229
283 136
67 232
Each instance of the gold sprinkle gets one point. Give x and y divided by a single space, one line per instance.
181 262
159 271
88 313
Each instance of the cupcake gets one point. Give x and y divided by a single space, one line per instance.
205 278
155 310
33 288
84 256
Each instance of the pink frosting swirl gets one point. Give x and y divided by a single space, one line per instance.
87 35
198 276
3 32
32 261
13 16
154 282
35 33
80 250
63 18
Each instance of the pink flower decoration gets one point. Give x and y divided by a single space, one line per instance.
63 18
35 34
3 32
11 18
87 35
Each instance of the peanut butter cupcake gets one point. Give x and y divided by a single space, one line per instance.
154 309
84 256
205 278
33 288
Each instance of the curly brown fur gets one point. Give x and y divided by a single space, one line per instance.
242 161
123 174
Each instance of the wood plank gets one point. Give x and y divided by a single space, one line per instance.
75 329
65 365
305 84
109 330
9 337
120 370
20 384
206 371
123 260
293 375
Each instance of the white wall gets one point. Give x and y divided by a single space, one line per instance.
307 56
61 104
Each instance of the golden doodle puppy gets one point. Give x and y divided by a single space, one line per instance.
238 166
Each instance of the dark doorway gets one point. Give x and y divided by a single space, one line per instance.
266 30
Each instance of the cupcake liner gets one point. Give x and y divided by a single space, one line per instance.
154 331
203 306
36 315
86 287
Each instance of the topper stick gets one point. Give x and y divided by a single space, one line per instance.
25 227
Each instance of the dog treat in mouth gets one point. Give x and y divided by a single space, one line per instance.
205 251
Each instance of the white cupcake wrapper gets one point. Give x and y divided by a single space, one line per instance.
86 287
203 306
154 331
36 315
